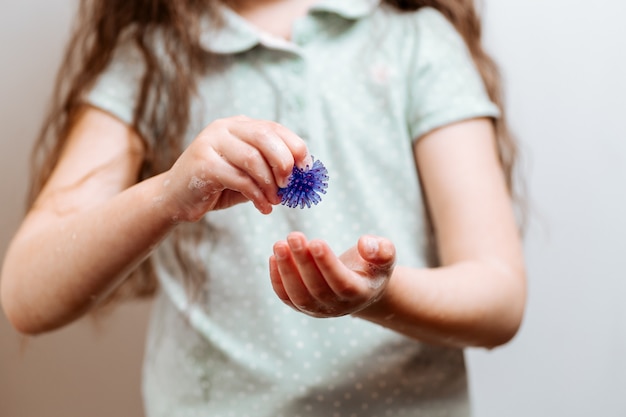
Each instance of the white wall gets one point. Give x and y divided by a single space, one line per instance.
565 64
565 67
87 369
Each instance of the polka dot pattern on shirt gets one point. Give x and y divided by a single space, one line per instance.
359 84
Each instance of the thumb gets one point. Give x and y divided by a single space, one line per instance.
379 252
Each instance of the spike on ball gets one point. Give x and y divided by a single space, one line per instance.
305 186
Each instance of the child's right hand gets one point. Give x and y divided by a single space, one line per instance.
233 160
93 212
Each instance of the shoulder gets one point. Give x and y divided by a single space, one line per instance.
419 36
117 87
127 55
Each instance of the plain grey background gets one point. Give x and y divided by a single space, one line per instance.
564 63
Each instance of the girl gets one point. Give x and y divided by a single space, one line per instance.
177 122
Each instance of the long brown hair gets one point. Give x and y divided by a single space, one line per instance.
99 27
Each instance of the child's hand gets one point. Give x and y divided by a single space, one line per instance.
310 278
231 161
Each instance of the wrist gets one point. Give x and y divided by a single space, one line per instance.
162 201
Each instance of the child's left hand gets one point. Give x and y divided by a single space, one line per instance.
310 278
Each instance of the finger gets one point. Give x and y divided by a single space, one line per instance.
280 147
229 198
378 253
311 277
339 277
277 282
249 160
296 145
377 250
294 288
232 178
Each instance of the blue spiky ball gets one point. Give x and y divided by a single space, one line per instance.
305 186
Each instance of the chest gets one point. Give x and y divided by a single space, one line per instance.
324 84
341 86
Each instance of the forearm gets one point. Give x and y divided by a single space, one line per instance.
471 303
57 268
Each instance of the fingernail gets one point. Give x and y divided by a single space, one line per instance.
280 252
295 243
371 245
316 249
306 162
284 182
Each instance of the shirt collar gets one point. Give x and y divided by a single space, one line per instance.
237 35
348 9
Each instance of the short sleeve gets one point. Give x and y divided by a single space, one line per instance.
116 89
445 87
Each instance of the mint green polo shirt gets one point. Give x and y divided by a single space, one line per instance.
359 82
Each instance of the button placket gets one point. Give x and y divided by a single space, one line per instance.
294 110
